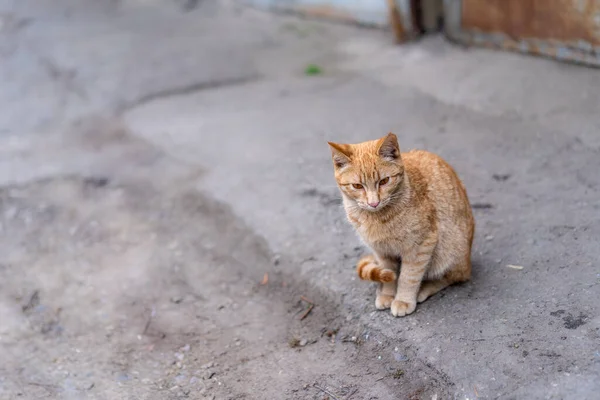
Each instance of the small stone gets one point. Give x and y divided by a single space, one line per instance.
489 237
303 342
209 374
122 377
180 379
176 299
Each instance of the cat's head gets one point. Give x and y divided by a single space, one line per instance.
370 174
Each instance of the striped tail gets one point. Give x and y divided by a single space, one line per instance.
368 270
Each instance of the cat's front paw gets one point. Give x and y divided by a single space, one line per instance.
383 301
402 308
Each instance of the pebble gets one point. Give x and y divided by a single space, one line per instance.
208 375
122 377
208 365
180 379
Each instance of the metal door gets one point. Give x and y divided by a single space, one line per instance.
567 30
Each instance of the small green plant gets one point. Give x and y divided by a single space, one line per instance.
312 69
399 373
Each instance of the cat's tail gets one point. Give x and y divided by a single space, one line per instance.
368 270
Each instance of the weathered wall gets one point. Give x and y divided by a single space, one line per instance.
367 12
562 29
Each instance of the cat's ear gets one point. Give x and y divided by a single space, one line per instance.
340 153
389 149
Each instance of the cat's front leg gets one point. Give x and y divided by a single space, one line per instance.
386 290
414 267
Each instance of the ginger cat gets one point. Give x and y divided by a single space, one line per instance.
409 208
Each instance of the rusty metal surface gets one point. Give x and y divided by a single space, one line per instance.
562 20
567 30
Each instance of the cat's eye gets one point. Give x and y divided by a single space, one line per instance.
357 186
384 181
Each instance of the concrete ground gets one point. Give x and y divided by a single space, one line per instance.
167 198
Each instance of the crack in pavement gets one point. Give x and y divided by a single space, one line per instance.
188 89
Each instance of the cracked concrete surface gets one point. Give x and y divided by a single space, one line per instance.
158 158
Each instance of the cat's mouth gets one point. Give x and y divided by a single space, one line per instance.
372 209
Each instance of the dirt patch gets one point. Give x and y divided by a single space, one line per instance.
118 291
326 199
572 322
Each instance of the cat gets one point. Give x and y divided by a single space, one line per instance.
412 210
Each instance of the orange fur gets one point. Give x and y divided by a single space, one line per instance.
368 270
410 207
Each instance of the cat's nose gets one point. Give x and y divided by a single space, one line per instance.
374 204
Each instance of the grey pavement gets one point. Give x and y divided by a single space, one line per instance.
140 139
